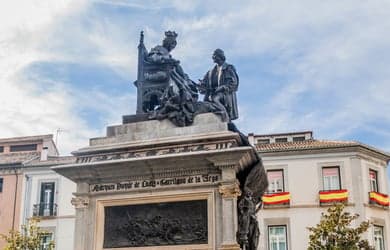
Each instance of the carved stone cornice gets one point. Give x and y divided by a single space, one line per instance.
171 173
118 154
231 190
226 165
80 202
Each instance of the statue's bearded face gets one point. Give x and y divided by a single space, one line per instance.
217 59
169 43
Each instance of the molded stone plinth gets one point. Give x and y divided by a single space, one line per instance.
154 129
155 162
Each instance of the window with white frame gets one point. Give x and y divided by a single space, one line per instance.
46 200
373 180
46 241
378 238
331 178
277 237
275 181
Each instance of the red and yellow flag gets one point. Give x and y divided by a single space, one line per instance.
333 196
276 198
378 198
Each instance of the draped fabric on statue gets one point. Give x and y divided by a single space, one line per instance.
227 77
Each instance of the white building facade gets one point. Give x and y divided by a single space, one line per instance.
47 196
307 175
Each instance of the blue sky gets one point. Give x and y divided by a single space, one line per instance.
303 65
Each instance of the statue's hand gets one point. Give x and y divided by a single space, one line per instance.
221 89
175 62
201 85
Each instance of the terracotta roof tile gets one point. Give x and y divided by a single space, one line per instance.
312 144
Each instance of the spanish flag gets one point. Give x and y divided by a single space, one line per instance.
276 198
378 198
333 196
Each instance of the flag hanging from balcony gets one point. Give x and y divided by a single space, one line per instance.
276 198
378 198
334 196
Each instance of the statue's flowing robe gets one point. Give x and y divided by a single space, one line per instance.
180 97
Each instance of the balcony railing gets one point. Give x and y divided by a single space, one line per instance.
332 196
377 198
45 209
281 199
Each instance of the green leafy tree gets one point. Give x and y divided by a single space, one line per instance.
28 238
335 233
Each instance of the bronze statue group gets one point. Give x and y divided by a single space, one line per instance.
178 102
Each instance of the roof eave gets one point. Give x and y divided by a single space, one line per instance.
335 149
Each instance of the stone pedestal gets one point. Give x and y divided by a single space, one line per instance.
151 185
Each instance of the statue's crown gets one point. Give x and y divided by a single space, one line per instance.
171 34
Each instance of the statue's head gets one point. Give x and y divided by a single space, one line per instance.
169 41
219 56
248 193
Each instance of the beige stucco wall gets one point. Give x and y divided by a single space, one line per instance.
7 198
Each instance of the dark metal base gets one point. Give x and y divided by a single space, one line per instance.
156 224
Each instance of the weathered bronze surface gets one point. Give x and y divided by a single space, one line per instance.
165 91
248 227
220 84
156 224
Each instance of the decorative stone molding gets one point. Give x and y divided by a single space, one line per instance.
229 247
230 190
226 165
80 202
171 173
158 151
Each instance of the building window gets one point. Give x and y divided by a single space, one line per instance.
277 237
374 180
46 206
1 149
299 138
263 141
275 181
331 178
26 147
378 238
1 185
279 140
46 241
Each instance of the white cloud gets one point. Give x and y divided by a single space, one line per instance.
26 111
333 55
50 31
